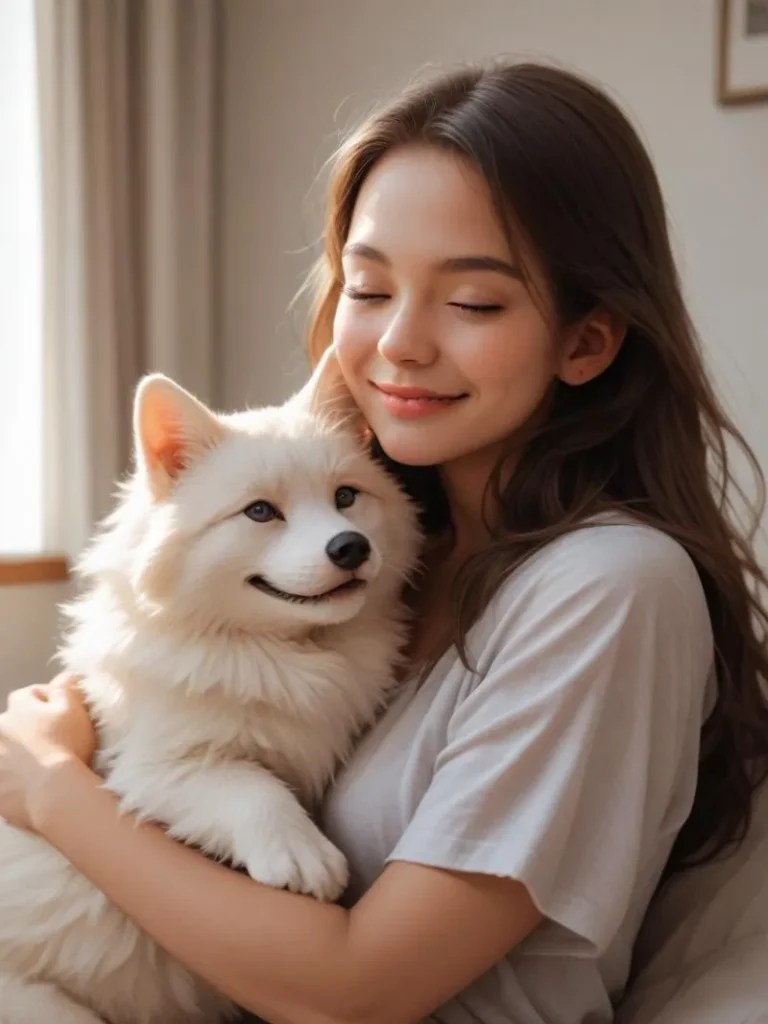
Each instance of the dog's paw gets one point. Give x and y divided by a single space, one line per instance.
301 859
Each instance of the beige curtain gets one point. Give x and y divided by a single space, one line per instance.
129 111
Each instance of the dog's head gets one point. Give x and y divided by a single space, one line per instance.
274 519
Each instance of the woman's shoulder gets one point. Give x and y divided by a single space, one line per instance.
617 554
605 564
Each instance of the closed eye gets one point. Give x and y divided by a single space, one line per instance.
358 296
471 308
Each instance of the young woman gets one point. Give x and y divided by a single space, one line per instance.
585 708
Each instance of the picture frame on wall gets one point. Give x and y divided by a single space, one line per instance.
743 52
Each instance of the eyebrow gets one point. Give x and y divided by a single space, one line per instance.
456 264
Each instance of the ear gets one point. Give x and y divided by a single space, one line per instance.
172 429
327 396
590 346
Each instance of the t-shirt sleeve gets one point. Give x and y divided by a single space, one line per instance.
573 757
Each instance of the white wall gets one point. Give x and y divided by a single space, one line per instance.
299 71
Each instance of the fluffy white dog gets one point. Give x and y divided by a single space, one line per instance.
240 627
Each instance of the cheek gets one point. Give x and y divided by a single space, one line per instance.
355 343
513 356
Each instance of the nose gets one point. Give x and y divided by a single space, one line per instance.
406 339
348 550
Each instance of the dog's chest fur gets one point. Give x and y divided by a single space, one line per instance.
163 705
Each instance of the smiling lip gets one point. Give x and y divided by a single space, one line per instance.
413 403
260 583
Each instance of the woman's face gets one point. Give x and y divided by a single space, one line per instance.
438 337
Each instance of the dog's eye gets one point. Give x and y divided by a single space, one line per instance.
263 512
345 497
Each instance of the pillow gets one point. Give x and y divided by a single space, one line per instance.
702 953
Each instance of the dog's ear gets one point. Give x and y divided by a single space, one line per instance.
327 396
171 430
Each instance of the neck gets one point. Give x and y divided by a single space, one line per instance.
465 481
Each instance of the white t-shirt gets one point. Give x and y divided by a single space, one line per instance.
568 762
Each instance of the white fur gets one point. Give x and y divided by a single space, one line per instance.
222 711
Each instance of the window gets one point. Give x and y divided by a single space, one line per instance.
21 348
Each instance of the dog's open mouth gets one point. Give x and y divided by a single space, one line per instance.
343 588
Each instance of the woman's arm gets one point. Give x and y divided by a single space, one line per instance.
417 937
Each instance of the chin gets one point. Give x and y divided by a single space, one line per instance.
439 438
421 447
413 452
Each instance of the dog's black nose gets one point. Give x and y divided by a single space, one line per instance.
348 550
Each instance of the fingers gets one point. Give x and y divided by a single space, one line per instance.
65 682
23 695
65 690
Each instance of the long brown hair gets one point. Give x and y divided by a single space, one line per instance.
569 175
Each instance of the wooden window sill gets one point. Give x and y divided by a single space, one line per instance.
32 569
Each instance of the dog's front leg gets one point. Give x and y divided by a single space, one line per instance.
238 812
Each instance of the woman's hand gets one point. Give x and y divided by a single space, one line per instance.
43 728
